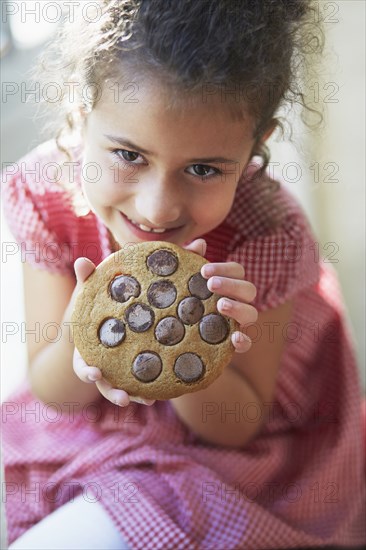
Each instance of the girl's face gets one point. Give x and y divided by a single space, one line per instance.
153 174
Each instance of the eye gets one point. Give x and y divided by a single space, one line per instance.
202 169
127 156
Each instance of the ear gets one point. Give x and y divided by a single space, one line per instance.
270 129
82 114
256 150
83 117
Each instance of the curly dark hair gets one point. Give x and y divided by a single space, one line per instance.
260 49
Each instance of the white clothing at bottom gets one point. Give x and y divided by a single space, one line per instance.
78 525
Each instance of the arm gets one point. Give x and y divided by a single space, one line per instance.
249 379
57 372
48 301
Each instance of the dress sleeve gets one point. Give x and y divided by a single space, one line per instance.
29 206
281 263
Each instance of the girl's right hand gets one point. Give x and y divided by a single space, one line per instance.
90 374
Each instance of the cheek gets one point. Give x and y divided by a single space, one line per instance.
214 207
101 186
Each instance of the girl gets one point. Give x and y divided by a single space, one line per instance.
168 104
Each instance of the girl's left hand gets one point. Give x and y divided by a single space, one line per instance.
227 279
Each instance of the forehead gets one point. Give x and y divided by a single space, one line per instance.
148 108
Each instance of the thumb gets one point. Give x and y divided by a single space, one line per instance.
83 268
198 246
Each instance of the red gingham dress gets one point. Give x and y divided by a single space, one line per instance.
299 483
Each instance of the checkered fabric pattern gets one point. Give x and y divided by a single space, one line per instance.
299 483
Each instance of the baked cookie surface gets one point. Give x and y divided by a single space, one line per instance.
147 320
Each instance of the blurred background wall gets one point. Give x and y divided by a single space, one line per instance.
324 169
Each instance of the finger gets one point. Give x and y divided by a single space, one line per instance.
244 314
83 268
233 288
116 396
199 246
85 372
241 342
225 269
142 401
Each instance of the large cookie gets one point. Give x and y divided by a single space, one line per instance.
146 318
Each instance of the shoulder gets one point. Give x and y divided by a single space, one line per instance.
42 172
39 194
263 207
268 233
33 189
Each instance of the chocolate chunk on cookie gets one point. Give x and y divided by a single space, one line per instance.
139 317
190 310
147 366
198 287
189 367
162 294
123 288
112 332
213 328
162 262
169 331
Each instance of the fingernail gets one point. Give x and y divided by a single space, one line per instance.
225 305
119 397
215 283
207 271
239 337
87 259
138 400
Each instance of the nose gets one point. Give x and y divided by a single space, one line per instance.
159 204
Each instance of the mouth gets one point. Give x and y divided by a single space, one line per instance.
149 233
146 228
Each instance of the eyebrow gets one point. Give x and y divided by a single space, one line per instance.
128 143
